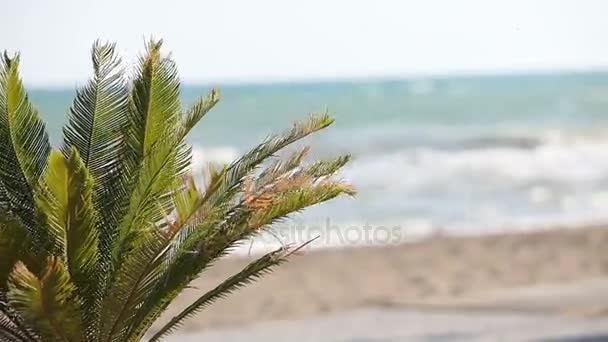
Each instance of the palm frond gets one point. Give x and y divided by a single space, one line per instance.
141 239
131 286
186 203
218 233
215 236
284 203
133 279
66 199
327 167
28 132
239 169
80 229
199 109
52 201
99 114
48 304
163 161
149 255
249 274
280 167
189 261
151 152
155 98
97 126
25 147
155 141
189 207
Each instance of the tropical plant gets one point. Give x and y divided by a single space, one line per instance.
99 236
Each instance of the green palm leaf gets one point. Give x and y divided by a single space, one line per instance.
155 141
97 128
67 201
164 158
199 109
249 161
162 168
155 99
99 114
25 148
27 131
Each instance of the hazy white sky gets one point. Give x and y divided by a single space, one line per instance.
268 40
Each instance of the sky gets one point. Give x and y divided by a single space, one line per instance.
278 40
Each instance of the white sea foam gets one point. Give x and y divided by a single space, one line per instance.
489 189
417 167
202 156
476 186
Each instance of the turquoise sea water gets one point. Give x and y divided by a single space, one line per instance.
463 155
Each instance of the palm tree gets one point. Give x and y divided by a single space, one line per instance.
99 236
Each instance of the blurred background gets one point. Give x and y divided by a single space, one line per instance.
465 118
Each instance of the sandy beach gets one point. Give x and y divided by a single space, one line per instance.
560 272
390 325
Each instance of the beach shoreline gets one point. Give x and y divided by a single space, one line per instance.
439 271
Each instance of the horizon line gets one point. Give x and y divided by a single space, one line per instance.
253 81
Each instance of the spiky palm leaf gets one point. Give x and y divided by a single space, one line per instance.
99 237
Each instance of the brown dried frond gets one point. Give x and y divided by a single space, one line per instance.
259 201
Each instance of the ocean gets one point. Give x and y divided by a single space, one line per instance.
461 155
